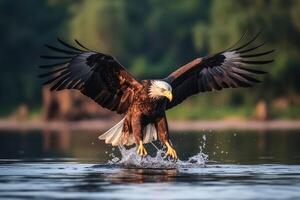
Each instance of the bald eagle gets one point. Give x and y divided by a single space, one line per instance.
143 102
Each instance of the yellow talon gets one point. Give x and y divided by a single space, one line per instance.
170 151
141 149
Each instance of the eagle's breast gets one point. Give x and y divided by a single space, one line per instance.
148 106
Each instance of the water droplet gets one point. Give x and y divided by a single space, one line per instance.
129 157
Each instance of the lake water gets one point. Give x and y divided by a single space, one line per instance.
212 165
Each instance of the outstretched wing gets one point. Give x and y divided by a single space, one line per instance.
227 69
96 75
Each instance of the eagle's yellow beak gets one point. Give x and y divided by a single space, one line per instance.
168 94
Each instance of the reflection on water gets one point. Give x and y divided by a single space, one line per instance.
71 180
224 147
74 165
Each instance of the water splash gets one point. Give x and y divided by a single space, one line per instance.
130 159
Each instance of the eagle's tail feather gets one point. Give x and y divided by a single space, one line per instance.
150 133
115 135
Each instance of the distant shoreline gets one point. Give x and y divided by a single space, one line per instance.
102 125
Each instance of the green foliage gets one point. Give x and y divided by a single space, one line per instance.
152 38
25 27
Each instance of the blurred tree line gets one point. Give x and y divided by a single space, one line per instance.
152 38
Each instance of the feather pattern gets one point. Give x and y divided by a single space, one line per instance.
96 75
228 69
115 135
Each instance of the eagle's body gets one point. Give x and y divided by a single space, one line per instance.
146 109
145 119
147 106
143 103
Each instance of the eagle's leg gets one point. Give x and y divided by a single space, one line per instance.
141 149
161 126
171 151
137 130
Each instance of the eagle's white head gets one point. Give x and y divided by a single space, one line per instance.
160 89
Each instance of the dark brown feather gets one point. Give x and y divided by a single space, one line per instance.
96 75
222 70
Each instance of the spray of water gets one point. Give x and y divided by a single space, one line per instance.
129 158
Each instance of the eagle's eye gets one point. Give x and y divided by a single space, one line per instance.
163 90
